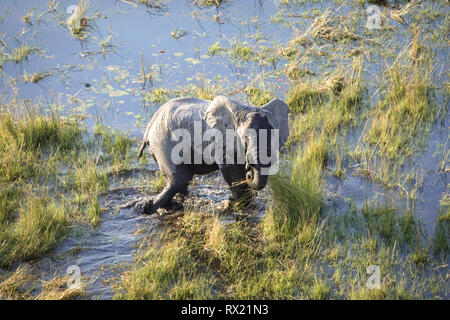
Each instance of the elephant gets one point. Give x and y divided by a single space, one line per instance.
221 116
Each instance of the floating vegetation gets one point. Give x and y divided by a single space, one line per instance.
3 58
296 73
160 95
27 18
152 6
77 22
407 108
56 289
158 4
106 43
240 51
397 15
207 3
22 53
36 77
206 90
21 284
215 49
192 60
178 33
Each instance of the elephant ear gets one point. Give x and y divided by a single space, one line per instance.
219 114
277 113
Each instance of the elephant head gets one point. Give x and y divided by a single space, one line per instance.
248 122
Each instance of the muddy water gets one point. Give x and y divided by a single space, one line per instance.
104 83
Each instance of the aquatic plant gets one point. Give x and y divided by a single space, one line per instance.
36 77
15 285
215 49
77 22
207 3
22 53
407 107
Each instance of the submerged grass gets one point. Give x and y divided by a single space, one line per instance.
304 97
407 108
22 283
326 111
56 289
32 222
87 180
441 240
215 49
207 3
22 53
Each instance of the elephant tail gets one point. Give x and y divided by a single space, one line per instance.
144 144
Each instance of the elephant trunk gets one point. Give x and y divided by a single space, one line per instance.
255 180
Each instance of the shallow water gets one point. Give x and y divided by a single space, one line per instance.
114 77
106 85
102 253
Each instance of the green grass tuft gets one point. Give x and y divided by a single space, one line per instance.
40 224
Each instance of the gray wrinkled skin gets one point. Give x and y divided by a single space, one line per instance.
220 114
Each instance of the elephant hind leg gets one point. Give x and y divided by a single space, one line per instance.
176 185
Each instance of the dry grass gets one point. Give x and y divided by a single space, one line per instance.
16 285
56 289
